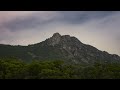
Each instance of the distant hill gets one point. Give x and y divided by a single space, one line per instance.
58 47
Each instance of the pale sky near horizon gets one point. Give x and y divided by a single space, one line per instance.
100 29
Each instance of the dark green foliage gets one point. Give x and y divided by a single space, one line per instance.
35 52
12 68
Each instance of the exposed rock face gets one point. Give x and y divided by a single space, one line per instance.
55 39
75 50
61 47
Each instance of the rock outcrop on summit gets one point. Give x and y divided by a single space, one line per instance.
60 47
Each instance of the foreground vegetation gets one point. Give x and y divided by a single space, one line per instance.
16 69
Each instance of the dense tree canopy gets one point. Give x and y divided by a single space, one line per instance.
11 68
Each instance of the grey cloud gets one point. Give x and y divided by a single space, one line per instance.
69 17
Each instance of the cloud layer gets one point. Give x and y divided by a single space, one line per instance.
97 28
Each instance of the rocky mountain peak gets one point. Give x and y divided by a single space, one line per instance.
55 39
64 47
56 35
63 40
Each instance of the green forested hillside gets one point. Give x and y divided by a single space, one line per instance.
11 68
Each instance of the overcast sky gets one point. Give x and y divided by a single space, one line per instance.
100 29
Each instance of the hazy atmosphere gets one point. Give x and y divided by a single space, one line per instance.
100 29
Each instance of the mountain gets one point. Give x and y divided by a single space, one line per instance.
59 47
